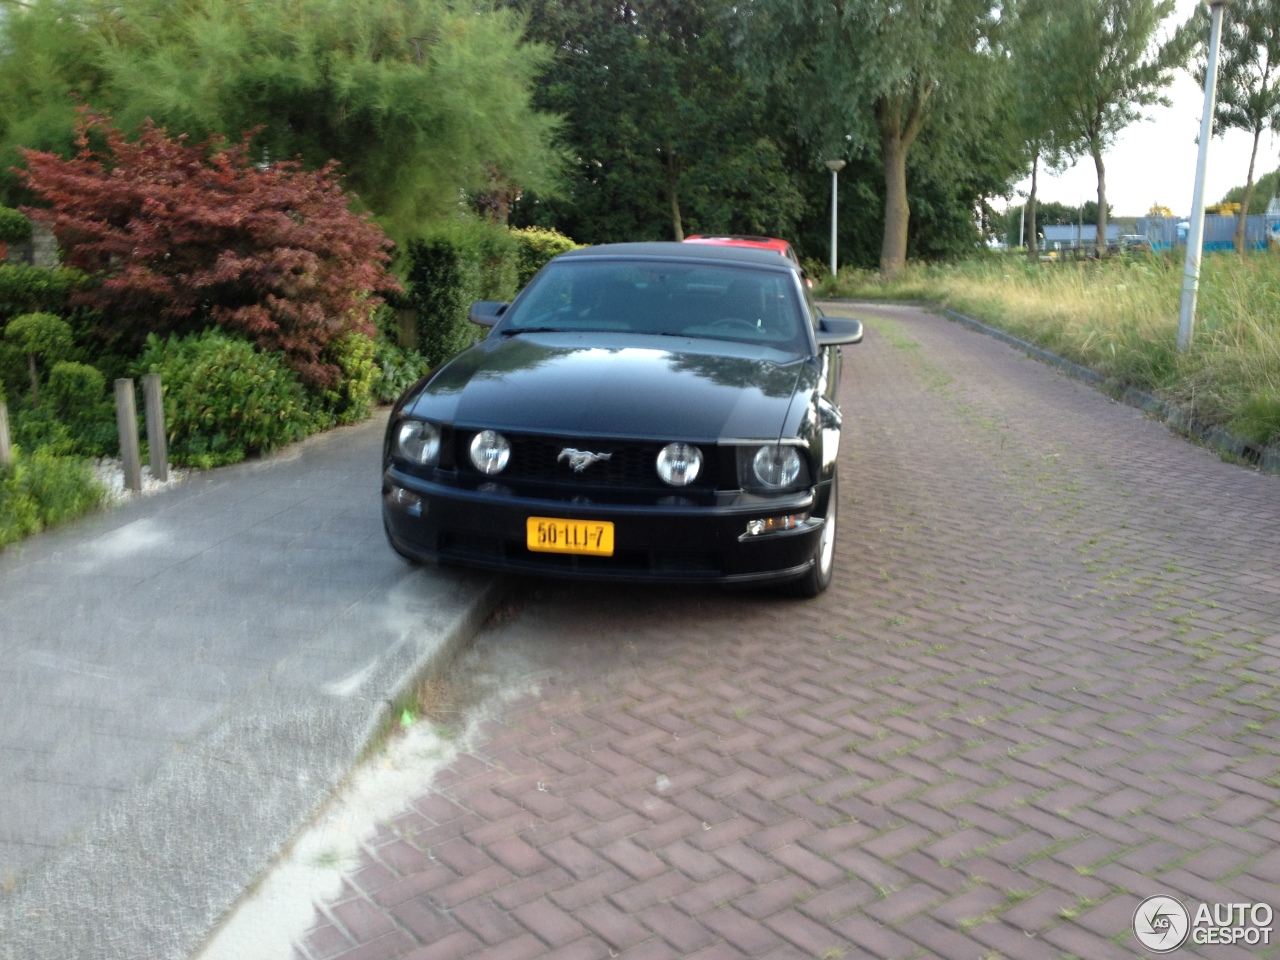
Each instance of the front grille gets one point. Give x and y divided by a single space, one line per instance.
631 466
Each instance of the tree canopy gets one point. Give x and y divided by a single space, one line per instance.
1111 62
619 119
864 77
420 100
1248 79
667 135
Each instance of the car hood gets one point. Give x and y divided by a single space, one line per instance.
603 385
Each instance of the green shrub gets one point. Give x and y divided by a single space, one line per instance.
398 369
78 395
499 259
19 513
42 490
223 400
62 487
44 339
448 270
352 399
536 246
41 430
27 289
14 225
15 381
75 387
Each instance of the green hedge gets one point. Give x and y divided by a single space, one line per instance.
538 245
450 268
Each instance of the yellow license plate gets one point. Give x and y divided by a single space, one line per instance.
594 538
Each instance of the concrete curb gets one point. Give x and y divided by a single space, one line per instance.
1266 460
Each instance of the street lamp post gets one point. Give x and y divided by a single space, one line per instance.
1195 234
835 166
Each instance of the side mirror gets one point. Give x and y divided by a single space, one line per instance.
486 313
837 330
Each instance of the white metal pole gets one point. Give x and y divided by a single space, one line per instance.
835 166
1195 234
834 195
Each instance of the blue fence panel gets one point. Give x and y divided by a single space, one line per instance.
1219 231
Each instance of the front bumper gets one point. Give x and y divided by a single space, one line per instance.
654 542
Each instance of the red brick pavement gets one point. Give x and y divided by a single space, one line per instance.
1042 688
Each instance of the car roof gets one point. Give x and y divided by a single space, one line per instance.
669 250
729 240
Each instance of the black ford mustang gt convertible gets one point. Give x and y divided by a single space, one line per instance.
661 412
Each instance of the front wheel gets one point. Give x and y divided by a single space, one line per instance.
818 576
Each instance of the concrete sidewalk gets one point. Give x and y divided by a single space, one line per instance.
184 681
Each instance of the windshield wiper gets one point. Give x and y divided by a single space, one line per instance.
512 331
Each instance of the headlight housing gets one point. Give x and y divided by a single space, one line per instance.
773 468
679 464
418 442
490 452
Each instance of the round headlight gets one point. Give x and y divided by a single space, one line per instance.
776 466
679 463
419 441
490 452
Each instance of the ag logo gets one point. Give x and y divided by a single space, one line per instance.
1161 924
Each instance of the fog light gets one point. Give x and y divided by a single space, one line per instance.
775 524
490 452
406 500
679 464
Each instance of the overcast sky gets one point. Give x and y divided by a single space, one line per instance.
1154 161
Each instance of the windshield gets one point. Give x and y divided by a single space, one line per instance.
712 301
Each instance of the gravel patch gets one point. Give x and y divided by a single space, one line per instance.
109 471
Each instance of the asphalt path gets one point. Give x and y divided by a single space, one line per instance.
1042 688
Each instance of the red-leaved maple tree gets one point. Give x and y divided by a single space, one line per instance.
182 237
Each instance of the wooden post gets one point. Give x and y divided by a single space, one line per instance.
6 453
127 424
156 441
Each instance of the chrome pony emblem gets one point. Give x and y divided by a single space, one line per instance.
581 459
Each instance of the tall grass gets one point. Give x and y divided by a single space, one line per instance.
1120 317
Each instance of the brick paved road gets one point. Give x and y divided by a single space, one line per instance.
1043 688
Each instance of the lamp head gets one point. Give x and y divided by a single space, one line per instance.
835 166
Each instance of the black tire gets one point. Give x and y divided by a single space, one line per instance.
818 577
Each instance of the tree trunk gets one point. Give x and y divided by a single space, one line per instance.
673 193
897 210
1033 245
1239 240
900 118
1100 241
